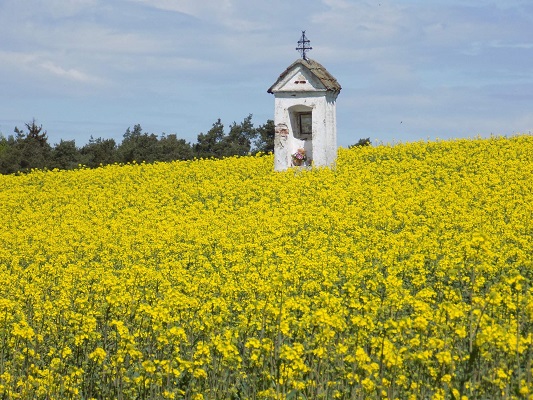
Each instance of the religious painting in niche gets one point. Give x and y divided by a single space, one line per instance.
305 122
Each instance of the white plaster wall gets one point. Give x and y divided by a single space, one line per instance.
331 132
324 141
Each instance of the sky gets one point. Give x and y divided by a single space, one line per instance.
410 70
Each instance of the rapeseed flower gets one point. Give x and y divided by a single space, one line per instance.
404 271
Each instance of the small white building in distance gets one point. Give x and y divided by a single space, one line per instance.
305 114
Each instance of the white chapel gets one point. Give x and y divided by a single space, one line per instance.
305 114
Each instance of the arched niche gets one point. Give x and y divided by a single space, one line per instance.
301 129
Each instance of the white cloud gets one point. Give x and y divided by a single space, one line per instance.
71 74
499 44
38 66
26 10
195 8
17 59
234 15
364 22
65 8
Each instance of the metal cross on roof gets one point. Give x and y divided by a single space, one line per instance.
303 46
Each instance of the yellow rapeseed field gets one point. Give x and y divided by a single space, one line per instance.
404 272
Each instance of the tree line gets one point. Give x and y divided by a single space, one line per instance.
26 150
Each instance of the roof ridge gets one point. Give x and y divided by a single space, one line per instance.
317 69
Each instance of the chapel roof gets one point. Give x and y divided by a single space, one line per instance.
322 74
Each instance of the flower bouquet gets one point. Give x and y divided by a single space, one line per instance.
299 158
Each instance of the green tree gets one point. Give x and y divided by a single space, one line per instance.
264 139
99 152
138 146
171 148
35 152
65 155
361 143
239 139
9 155
210 144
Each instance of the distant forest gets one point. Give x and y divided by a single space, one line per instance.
29 149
